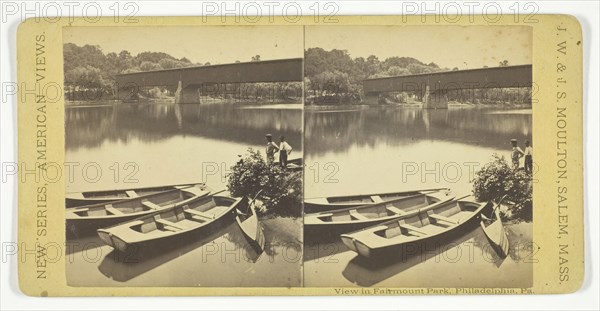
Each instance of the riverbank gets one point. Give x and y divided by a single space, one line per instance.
225 257
332 264
250 103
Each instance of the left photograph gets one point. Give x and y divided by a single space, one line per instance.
189 144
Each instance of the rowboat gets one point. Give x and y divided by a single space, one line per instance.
103 196
295 164
315 205
494 231
247 220
88 218
428 224
171 225
355 218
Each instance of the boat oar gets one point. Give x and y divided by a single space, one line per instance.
436 204
495 232
253 200
496 206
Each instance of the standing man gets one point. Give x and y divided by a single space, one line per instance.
284 151
528 157
515 154
271 149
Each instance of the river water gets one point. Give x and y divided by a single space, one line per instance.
382 149
121 145
351 149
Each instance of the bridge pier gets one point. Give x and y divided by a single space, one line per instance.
435 100
187 95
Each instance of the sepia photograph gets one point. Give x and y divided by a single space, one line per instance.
190 140
419 156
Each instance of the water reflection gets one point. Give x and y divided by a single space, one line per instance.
221 258
124 267
339 131
90 127
423 264
369 148
174 144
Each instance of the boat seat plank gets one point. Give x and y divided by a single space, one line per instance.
357 215
323 215
376 199
136 223
195 191
151 205
394 210
412 229
131 194
169 223
78 210
444 218
197 213
112 210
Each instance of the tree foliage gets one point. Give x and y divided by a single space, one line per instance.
280 190
497 179
88 68
334 77
335 74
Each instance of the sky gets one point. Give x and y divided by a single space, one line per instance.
465 47
214 44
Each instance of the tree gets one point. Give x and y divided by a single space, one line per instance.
503 63
279 190
148 66
497 179
256 58
168 63
397 71
415 68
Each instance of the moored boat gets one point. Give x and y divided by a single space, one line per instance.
315 205
295 165
73 199
356 218
86 219
392 235
494 231
247 220
171 225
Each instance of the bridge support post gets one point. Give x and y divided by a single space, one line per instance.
188 95
435 100
179 93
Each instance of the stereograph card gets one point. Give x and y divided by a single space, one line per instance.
377 155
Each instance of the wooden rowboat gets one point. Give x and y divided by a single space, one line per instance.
247 220
355 218
315 205
171 225
391 236
103 196
295 165
88 218
494 231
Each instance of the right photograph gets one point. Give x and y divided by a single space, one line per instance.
418 152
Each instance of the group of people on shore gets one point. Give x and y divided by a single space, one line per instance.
517 153
283 148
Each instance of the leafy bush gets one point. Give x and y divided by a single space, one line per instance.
280 189
497 179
